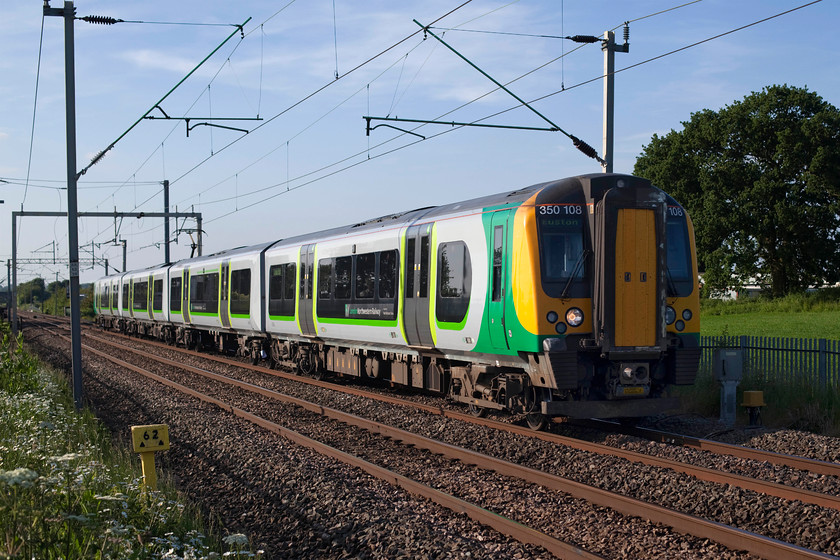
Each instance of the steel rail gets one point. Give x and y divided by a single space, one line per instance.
504 525
734 538
701 473
793 461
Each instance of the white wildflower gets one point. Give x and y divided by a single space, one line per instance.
19 477
117 531
236 539
109 498
67 457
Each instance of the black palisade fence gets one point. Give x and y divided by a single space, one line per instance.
810 361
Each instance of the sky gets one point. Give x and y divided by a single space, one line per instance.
302 74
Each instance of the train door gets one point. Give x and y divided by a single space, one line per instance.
498 279
224 308
131 298
185 296
307 268
150 294
635 278
417 266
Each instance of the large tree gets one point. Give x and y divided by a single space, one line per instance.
761 180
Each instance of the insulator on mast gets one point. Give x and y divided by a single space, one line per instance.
101 20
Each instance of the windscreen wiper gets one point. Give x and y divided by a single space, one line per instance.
574 273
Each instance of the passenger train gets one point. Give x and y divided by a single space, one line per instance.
577 298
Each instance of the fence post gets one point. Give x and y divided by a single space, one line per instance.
823 366
743 342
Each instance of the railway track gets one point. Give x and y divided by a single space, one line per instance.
734 538
781 459
701 473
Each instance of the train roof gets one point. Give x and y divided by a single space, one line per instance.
401 219
595 181
227 253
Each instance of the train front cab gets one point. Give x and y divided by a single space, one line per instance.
644 331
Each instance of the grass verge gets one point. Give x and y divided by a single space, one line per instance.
790 404
66 493
808 315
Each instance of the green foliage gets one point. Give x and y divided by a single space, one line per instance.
761 179
805 315
87 301
816 324
31 293
790 404
16 365
66 493
53 299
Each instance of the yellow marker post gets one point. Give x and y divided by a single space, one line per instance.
147 440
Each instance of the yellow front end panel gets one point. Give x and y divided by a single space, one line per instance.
635 278
530 300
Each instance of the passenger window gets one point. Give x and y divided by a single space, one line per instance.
365 275
204 293
343 276
281 290
387 274
157 298
498 240
240 292
275 282
141 293
289 270
409 268
454 281
424 266
325 279
175 294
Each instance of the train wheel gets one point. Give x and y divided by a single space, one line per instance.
319 373
477 411
255 354
537 421
305 366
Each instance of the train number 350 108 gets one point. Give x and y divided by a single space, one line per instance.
564 209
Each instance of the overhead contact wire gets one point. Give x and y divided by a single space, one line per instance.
320 89
533 101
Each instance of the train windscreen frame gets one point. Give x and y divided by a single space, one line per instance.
561 229
678 253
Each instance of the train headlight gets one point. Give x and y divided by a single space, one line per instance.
574 317
560 327
680 326
552 317
670 315
687 314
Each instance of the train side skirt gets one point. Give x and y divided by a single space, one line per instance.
610 409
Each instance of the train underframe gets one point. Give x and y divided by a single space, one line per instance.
557 382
